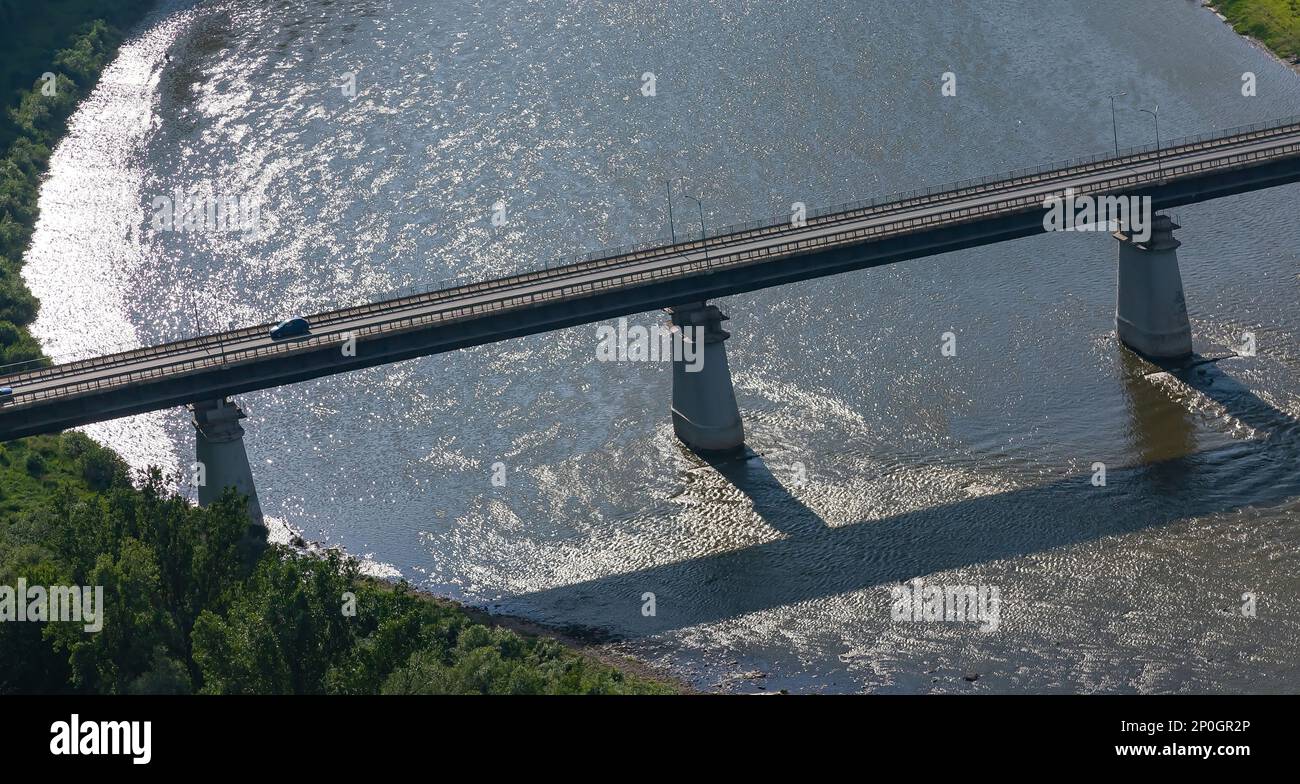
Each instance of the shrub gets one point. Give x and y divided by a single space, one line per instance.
89 52
17 304
102 468
35 464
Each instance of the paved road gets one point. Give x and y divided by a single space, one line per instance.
767 244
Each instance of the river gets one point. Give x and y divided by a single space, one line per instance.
876 457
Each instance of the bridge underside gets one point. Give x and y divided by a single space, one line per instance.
392 346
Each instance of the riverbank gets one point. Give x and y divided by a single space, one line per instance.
1274 25
581 642
53 58
61 50
189 607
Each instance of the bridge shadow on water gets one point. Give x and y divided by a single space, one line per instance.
778 507
812 560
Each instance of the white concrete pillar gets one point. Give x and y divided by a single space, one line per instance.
220 451
705 415
1150 312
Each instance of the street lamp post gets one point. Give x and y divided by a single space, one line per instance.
194 303
1160 164
703 243
1114 126
671 229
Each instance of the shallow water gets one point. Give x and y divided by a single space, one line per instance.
875 458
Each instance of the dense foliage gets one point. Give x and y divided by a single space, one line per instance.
189 606
31 32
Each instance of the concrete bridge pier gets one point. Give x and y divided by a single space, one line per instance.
705 415
1150 312
220 452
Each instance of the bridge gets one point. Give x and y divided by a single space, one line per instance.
205 372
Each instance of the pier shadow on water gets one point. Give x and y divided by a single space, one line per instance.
1207 376
771 500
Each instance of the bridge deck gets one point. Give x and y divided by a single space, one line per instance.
240 360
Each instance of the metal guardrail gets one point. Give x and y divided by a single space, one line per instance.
681 269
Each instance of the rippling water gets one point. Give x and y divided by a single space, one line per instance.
877 459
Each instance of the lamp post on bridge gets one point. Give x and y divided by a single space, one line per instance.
672 230
1114 126
198 332
194 303
703 240
1160 164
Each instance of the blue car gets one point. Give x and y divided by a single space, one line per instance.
6 392
290 328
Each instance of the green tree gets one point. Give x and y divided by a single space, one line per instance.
284 629
89 52
17 305
161 561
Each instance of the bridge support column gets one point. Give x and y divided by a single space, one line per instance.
220 452
705 415
1150 312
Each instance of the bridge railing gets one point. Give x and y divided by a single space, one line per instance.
422 295
1148 151
697 263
